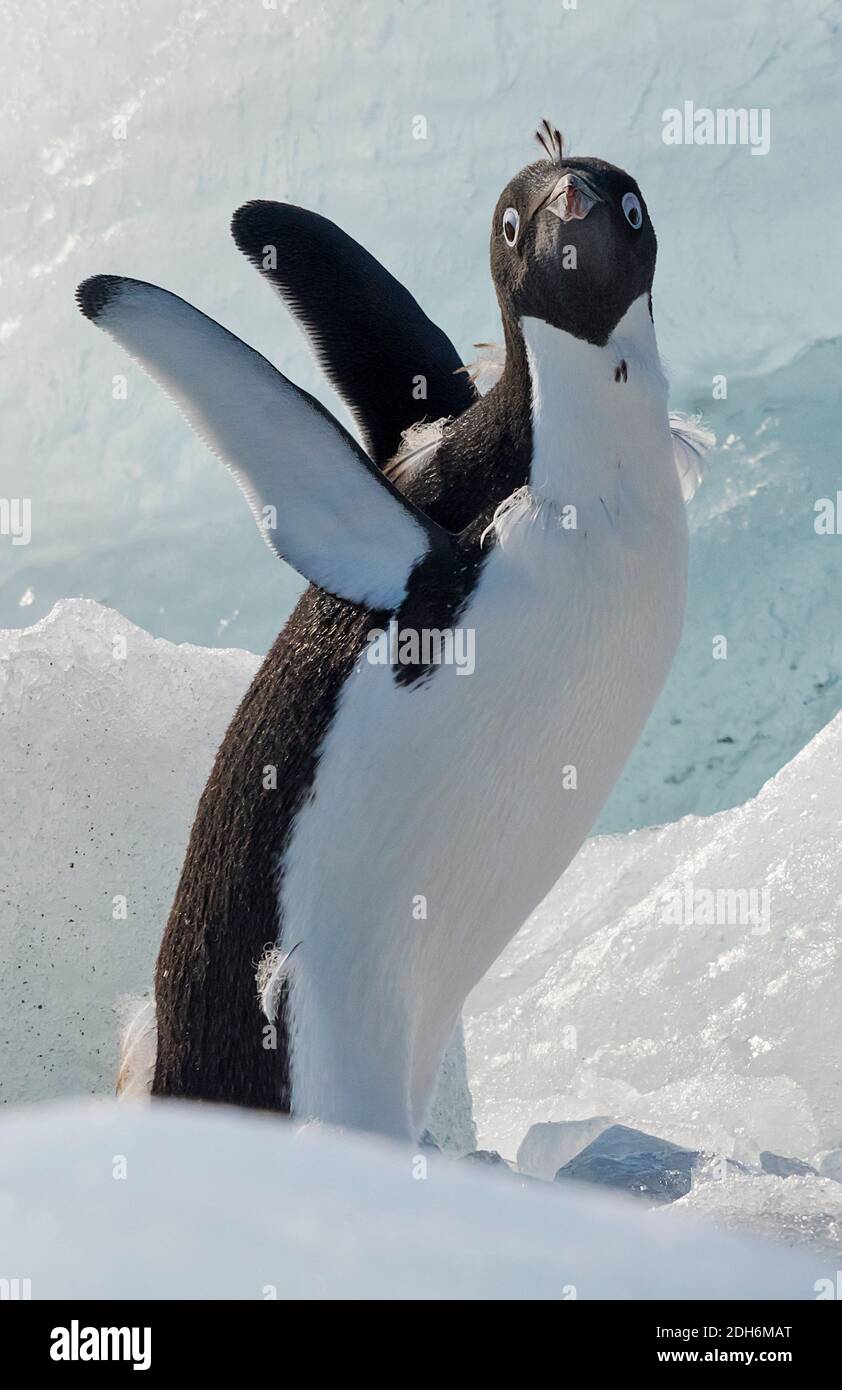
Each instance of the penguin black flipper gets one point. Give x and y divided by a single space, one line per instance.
319 502
370 336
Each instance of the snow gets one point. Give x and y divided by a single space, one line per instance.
120 1200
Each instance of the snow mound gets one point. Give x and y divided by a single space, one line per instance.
107 736
247 1207
635 992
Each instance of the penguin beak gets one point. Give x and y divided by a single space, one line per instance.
572 198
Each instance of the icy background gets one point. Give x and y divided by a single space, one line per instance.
305 100
716 1037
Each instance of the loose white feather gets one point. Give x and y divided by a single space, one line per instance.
690 442
139 1046
273 969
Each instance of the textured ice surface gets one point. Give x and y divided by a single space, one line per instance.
797 1211
303 101
107 736
547 1147
104 756
107 1200
721 1037
830 1164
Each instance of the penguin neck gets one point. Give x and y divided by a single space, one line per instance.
514 390
589 405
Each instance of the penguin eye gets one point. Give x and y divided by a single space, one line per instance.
511 225
632 210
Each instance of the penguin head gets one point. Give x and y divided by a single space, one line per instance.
572 243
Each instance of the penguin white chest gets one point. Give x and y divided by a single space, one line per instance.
443 812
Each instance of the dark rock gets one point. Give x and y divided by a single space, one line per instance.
630 1161
490 1157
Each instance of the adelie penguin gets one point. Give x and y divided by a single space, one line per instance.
372 835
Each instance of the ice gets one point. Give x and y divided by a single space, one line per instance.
104 756
451 1122
830 1164
720 1037
243 1206
781 1167
106 740
547 1147
763 578
803 1212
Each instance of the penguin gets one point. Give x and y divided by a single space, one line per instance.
375 829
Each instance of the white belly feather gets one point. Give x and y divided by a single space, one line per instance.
442 814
